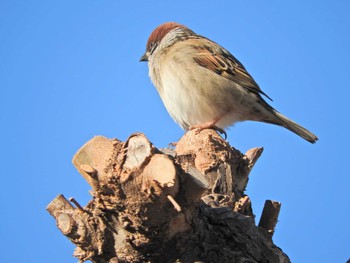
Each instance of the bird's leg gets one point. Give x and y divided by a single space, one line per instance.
209 125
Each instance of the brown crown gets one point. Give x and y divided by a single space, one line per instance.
158 33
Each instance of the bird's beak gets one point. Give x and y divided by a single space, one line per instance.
144 57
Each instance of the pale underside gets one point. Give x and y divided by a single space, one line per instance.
194 95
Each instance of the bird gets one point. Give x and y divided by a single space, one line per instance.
203 86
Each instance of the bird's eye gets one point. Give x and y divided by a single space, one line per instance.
153 47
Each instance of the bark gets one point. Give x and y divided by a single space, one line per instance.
166 205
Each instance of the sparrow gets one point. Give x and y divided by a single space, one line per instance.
202 85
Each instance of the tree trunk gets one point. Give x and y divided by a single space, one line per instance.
167 205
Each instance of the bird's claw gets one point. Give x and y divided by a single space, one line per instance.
198 129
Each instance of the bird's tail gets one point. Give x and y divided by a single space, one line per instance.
294 127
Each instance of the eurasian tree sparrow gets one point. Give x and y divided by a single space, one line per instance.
202 85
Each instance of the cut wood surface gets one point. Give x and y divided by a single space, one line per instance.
185 204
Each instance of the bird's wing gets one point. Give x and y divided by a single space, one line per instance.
222 62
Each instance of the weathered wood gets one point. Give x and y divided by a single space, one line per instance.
63 211
160 177
181 205
92 159
139 149
269 216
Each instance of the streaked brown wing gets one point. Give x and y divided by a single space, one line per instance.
225 64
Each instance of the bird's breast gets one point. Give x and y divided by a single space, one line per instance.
194 95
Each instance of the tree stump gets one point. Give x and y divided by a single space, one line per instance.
167 205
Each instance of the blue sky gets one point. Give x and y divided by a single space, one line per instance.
69 70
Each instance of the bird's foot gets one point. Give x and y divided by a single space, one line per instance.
208 125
